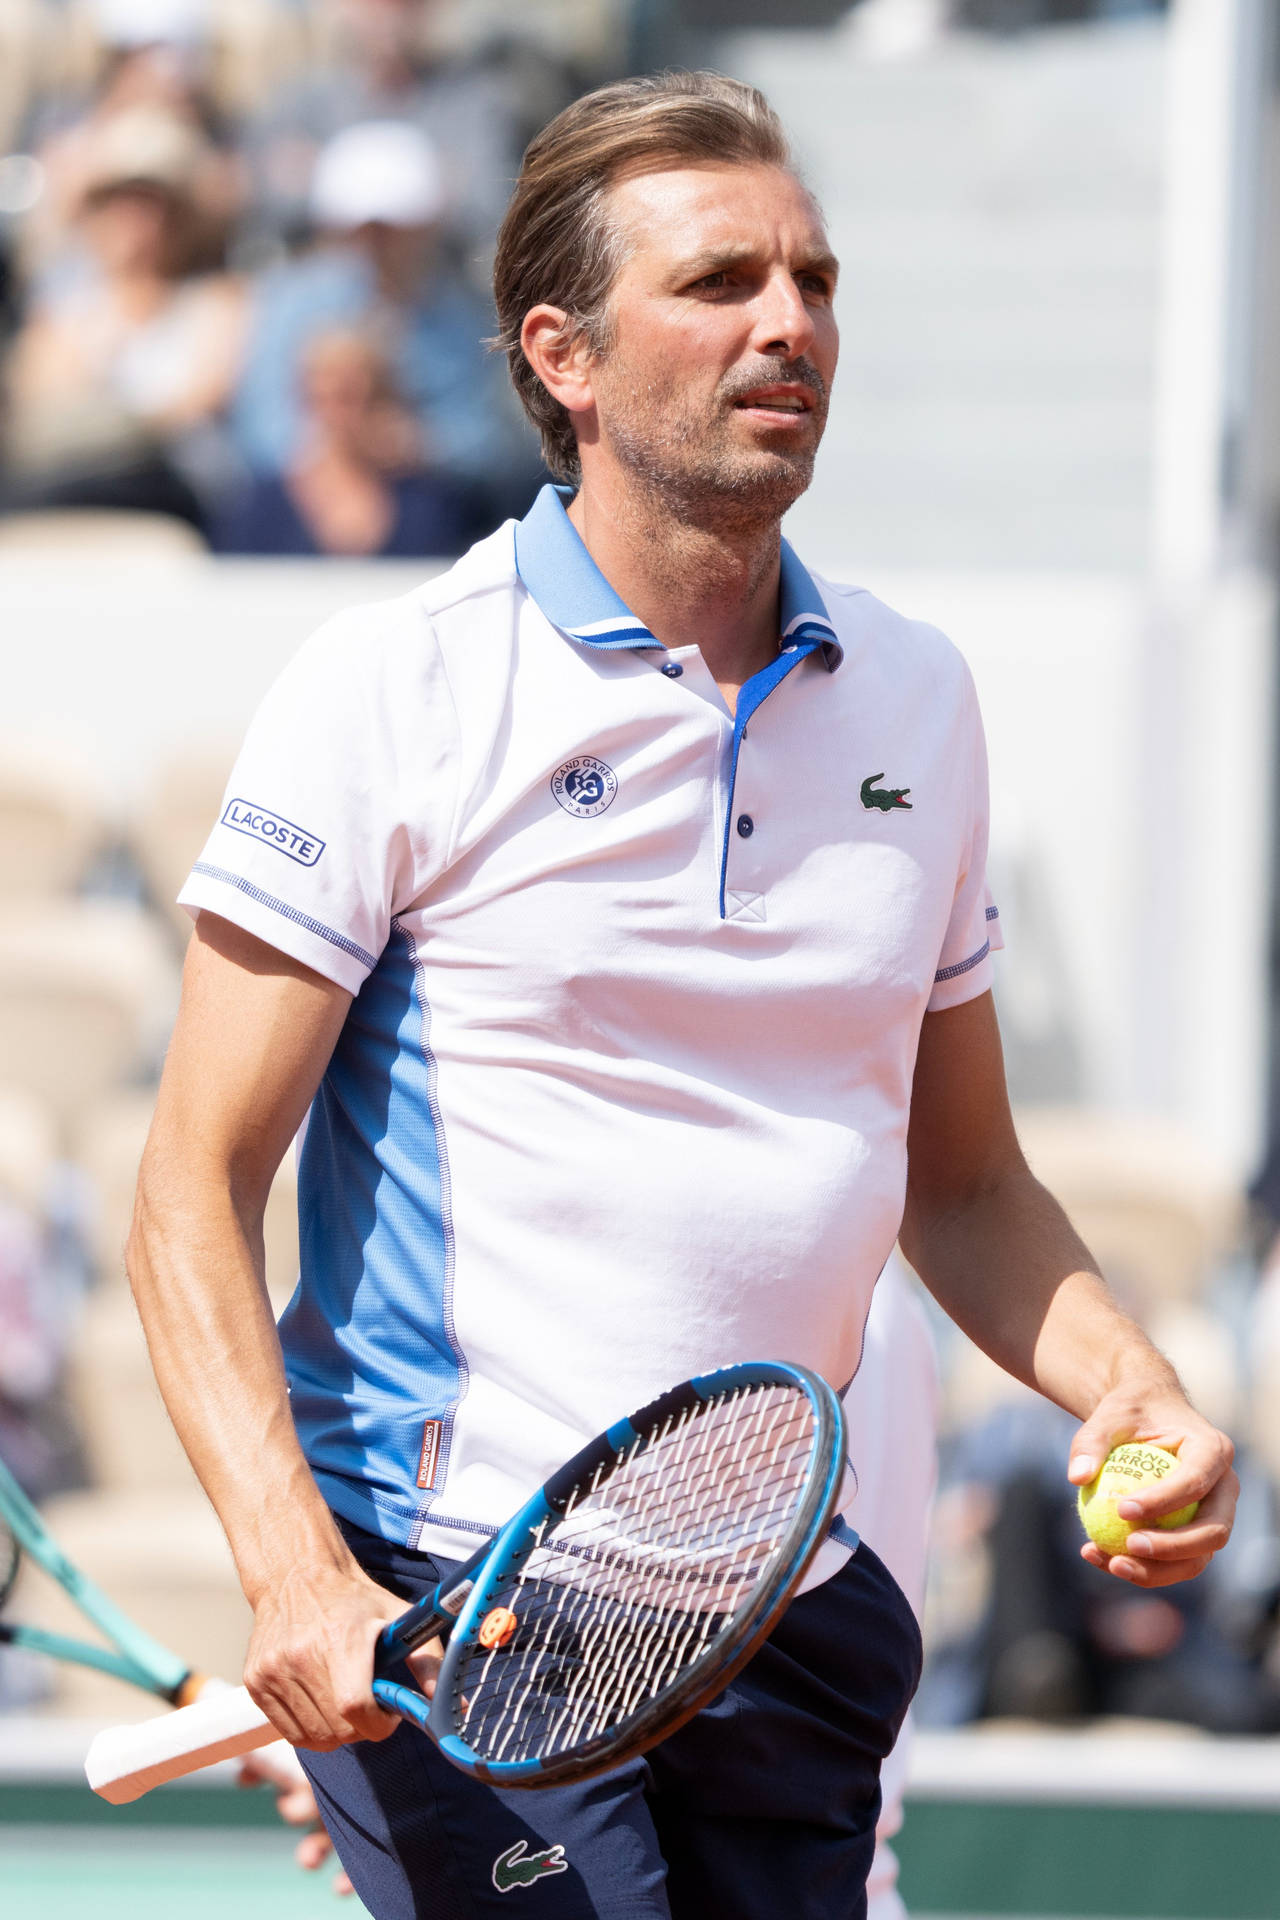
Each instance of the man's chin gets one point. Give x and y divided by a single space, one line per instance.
767 481
724 481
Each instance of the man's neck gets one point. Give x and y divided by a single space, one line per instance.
713 587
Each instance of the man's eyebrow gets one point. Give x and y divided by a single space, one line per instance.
825 262
717 259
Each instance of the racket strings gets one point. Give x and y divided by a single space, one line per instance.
622 1668
647 1566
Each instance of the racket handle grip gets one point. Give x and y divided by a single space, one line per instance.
123 1763
434 1613
423 1620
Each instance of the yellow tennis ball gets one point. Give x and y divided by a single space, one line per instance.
1125 1469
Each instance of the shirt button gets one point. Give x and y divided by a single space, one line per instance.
746 825
673 669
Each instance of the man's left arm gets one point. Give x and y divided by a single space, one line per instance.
999 1254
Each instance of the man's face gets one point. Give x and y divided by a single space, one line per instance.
712 391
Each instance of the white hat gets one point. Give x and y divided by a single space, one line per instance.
144 23
382 170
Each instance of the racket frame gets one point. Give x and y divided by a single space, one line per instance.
134 1656
459 1604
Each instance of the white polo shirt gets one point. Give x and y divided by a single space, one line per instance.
622 1095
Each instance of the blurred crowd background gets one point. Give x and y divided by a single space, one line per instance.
244 255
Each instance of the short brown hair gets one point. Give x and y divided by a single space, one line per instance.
557 244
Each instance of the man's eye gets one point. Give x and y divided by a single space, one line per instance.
712 282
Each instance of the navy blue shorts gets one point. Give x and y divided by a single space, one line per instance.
765 1804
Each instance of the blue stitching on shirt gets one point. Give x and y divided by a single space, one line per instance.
993 913
963 966
458 1526
290 913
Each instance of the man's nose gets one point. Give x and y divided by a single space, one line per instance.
783 323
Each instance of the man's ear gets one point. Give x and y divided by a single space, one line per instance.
560 355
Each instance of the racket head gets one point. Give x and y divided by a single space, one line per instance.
642 1577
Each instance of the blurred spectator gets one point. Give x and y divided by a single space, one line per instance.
1060 1641
379 197
385 68
154 55
116 381
31 1345
357 484
44 1274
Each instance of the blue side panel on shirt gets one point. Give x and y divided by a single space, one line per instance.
368 1337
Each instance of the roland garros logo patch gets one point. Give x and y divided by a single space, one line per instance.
584 786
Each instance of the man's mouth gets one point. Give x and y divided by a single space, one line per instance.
780 399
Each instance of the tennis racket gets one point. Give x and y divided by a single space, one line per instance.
621 1598
133 1655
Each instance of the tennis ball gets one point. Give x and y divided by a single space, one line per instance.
1124 1470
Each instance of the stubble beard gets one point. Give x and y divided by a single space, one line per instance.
694 468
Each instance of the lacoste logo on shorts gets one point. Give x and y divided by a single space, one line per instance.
273 831
516 1868
584 786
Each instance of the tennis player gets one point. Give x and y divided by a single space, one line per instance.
613 911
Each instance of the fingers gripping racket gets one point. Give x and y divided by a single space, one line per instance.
624 1595
133 1655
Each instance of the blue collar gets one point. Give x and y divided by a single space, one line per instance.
575 596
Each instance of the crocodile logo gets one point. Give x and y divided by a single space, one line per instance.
885 798
516 1868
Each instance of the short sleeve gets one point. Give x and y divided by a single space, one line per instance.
973 932
329 825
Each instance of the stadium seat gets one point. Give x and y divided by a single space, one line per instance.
127 534
1156 1210
28 1148
49 826
174 823
22 31
128 1439
87 993
257 47
109 1148
1158 1216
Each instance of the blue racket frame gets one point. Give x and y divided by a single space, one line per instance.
459 1605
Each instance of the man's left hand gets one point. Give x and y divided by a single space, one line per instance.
1154 1556
275 1767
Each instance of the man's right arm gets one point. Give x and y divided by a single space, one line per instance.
252 1040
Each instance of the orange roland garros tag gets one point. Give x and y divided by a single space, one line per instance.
430 1452
497 1627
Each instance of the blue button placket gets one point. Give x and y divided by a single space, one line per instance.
574 595
751 698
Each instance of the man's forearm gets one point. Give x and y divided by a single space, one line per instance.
196 1266
1010 1269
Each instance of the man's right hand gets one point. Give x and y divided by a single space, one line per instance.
310 1659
